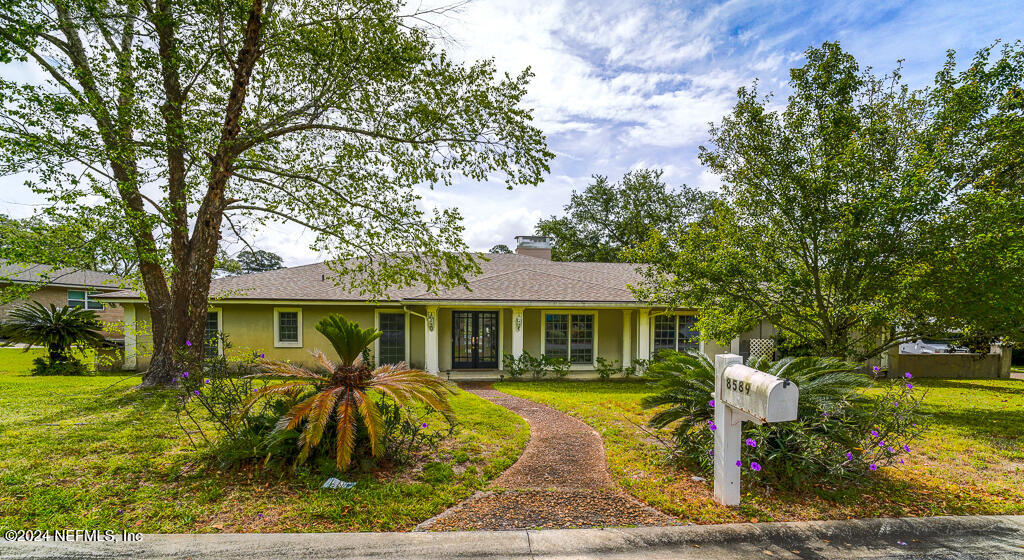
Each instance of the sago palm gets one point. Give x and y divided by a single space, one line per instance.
57 328
687 380
345 391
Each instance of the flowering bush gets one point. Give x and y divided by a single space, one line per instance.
841 431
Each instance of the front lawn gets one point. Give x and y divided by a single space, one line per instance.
971 460
93 453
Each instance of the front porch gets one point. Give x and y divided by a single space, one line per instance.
467 343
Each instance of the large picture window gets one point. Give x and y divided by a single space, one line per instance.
570 336
391 344
288 328
83 298
675 332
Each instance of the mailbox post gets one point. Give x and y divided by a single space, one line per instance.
743 394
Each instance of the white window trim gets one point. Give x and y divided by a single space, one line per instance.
278 343
86 299
376 324
544 335
220 328
677 315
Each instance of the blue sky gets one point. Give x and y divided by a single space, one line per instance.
621 85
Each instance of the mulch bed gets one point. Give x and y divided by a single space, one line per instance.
560 481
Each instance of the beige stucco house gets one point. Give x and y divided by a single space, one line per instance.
522 302
63 287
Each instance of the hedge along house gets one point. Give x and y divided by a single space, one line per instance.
521 302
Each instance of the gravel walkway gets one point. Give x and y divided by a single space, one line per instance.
560 481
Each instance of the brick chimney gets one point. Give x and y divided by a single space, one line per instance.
534 246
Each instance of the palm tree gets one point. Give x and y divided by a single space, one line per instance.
345 391
686 382
59 329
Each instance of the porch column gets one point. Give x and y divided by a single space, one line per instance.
430 340
643 334
131 359
517 331
627 331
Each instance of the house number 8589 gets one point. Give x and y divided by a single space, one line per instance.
737 385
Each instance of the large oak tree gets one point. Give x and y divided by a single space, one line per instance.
186 117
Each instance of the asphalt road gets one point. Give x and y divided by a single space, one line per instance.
936 538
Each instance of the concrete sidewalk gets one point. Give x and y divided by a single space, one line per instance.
921 538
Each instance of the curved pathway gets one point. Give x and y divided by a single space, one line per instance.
560 481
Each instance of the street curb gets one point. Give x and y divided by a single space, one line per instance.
932 537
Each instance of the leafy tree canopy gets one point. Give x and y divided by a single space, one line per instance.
841 209
185 118
606 218
500 248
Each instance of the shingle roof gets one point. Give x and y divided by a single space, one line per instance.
46 274
504 277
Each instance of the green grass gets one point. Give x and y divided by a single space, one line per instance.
91 452
970 461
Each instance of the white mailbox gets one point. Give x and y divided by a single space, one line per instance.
764 397
744 394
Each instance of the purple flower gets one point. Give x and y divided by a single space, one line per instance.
259 515
263 355
849 456
906 448
711 452
739 463
875 369
874 433
184 375
755 466
881 443
751 442
711 403
910 385
207 381
873 467
891 450
901 462
196 392
711 424
119 512
907 375
188 343
424 425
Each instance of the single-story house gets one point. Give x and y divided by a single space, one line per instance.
62 287
522 302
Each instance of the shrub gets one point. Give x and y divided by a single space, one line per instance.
43 366
606 369
59 330
346 394
558 366
514 366
841 432
537 367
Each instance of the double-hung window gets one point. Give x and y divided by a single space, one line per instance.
570 336
287 327
675 332
213 341
391 344
83 298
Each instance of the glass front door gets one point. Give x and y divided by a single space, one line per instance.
474 339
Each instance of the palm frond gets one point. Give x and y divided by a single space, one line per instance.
348 339
346 433
373 419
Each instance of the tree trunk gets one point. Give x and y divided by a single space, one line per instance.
179 328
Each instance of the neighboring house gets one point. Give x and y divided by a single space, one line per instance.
521 302
62 287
